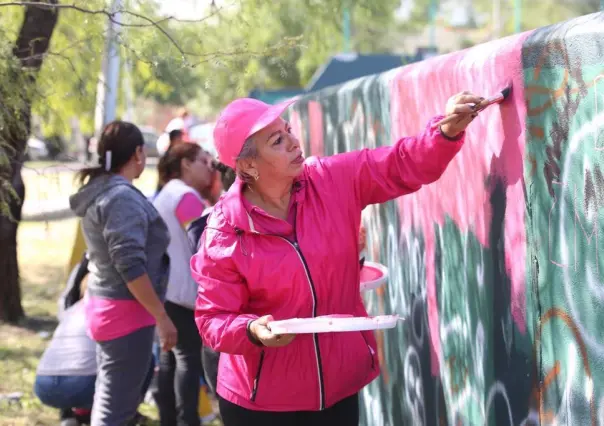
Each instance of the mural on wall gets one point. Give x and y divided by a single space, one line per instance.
496 265
564 76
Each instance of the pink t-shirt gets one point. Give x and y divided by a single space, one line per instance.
188 209
110 319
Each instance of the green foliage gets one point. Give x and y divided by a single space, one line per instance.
302 35
245 44
547 12
245 47
68 79
535 14
12 94
160 70
15 92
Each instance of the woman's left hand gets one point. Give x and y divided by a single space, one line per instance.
260 331
462 105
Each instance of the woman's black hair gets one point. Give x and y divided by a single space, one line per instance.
227 174
117 144
169 166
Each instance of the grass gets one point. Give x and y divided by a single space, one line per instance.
44 249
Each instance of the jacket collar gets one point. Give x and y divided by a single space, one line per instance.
233 211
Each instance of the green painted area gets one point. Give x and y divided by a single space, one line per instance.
565 189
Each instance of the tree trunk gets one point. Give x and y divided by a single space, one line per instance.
30 49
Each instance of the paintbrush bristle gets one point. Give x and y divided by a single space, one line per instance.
506 92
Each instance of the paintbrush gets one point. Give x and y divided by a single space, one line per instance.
496 99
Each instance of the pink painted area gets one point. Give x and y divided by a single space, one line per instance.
315 118
494 147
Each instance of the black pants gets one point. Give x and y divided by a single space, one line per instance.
180 371
344 413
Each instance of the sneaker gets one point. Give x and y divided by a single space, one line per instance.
83 419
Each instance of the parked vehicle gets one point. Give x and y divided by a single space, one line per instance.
203 135
151 137
36 150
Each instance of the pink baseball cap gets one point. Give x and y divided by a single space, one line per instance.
240 120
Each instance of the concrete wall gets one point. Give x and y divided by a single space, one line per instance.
496 265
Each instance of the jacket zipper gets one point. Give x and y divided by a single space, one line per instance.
370 349
257 378
314 314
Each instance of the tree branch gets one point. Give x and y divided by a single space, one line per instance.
287 42
111 15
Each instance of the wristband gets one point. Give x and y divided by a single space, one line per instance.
449 138
251 336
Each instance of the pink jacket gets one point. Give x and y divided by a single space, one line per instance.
243 274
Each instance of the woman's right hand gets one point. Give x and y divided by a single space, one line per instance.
168 336
259 329
462 105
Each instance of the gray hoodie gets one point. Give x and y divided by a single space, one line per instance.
125 237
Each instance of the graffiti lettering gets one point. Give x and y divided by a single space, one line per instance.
578 230
594 232
414 393
597 100
549 232
571 396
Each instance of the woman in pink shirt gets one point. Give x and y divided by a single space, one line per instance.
283 243
186 171
126 240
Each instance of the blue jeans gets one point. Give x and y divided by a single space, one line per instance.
65 391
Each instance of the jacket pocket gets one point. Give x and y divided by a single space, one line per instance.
257 377
370 350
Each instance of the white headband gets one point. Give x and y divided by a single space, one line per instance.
108 161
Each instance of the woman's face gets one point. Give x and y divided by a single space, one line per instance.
198 173
279 154
140 156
